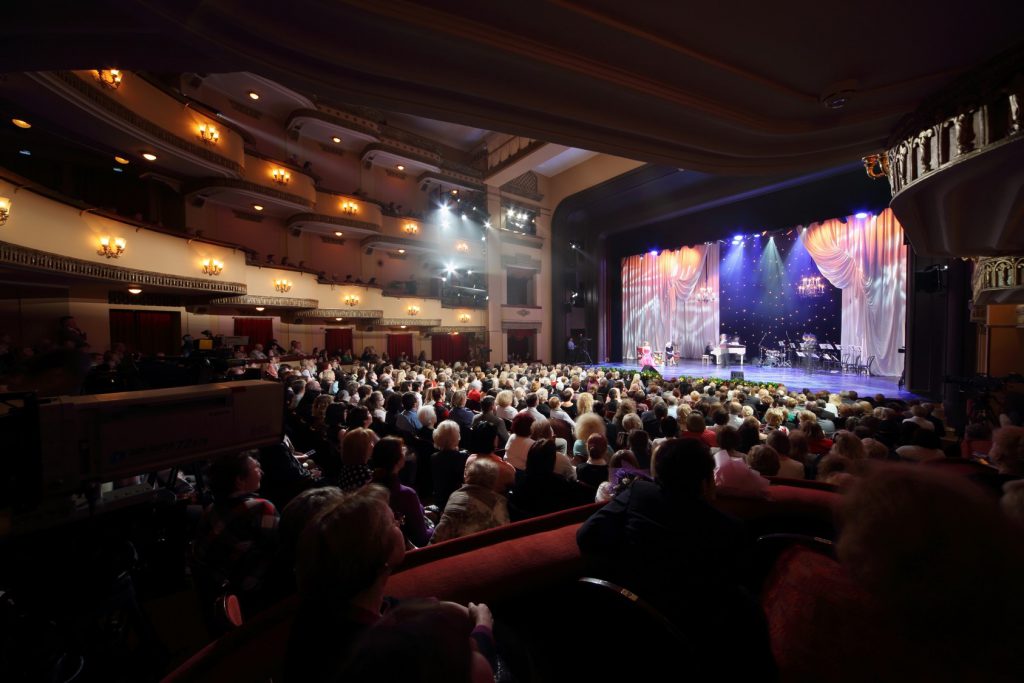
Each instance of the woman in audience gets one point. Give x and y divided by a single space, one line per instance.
584 405
503 405
773 419
764 459
587 425
788 467
448 463
483 441
732 475
595 470
387 461
847 444
237 535
542 490
923 446
460 415
542 429
639 443
477 505
356 449
1007 452
519 442
750 434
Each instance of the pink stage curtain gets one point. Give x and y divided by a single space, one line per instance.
657 303
867 259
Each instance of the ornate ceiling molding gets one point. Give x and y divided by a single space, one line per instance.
463 329
348 313
509 325
998 280
257 300
34 259
99 103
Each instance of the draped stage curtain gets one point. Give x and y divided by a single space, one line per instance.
148 332
398 343
338 339
656 300
867 259
258 330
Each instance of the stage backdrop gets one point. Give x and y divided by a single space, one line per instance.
862 262
758 277
659 303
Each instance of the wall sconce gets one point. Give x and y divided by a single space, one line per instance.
411 228
281 176
5 209
349 207
112 251
413 310
464 318
213 267
282 286
208 134
351 300
110 78
461 247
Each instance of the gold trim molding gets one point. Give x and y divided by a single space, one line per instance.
353 313
333 220
246 186
34 259
257 300
448 329
409 322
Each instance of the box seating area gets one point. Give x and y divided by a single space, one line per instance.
520 571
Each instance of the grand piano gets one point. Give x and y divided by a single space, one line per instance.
734 350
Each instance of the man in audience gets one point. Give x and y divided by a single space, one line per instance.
487 415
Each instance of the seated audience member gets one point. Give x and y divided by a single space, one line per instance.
408 421
237 535
542 489
837 469
664 541
957 611
541 429
460 414
1007 452
504 405
923 446
557 413
977 440
847 444
623 470
294 518
696 429
356 450
773 419
476 506
732 475
587 425
639 443
387 461
595 470
437 403
346 553
483 441
750 434
518 445
422 641
875 450
448 463
919 417
487 414
764 459
788 467
817 443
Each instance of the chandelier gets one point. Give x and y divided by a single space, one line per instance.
705 294
810 286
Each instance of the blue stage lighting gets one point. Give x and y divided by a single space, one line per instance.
861 214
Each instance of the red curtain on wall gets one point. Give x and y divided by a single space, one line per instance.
148 332
521 344
398 344
449 347
338 340
258 330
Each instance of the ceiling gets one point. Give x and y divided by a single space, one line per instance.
700 86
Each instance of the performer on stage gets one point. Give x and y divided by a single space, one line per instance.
723 347
810 348
570 348
670 350
646 358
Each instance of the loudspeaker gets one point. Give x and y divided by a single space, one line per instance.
736 374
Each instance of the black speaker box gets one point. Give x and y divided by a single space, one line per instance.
736 374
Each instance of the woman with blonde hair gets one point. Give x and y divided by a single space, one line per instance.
587 424
503 405
584 403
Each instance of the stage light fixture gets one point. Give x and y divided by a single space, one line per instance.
861 214
21 123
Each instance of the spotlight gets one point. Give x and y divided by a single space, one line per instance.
464 216
487 224
653 252
861 214
737 238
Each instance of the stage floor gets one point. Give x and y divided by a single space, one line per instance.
793 378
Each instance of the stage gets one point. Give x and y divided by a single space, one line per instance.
794 378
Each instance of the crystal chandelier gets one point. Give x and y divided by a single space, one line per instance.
810 286
705 294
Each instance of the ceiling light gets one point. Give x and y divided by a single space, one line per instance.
134 290
117 169
339 319
338 234
253 95
455 192
21 123
281 176
401 251
149 156
260 308
257 207
402 326
208 134
400 167
5 209
121 160
25 152
336 139
110 78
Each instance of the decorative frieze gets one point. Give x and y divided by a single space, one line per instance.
409 322
257 300
34 259
352 313
998 279
461 329
525 186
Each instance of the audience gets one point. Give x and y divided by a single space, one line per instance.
476 506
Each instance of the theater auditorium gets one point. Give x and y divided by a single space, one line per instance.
545 341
